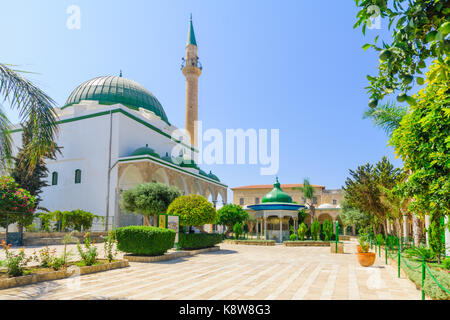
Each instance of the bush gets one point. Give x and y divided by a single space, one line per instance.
446 264
380 239
199 240
144 240
237 229
327 230
293 237
230 214
315 230
193 210
78 220
302 231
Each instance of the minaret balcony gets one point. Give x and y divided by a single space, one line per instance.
191 63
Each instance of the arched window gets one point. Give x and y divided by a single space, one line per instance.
78 176
54 178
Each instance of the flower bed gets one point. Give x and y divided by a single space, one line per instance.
37 274
252 242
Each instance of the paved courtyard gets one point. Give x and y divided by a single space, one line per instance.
235 272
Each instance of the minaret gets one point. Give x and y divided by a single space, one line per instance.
192 69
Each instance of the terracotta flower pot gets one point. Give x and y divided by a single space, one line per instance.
358 249
366 259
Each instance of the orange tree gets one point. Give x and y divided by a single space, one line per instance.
193 210
423 143
16 204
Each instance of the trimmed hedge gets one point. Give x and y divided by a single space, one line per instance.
199 240
144 240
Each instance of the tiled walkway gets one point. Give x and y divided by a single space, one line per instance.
235 272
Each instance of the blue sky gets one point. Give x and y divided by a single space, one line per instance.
293 65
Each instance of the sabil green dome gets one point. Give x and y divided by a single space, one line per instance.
112 90
277 195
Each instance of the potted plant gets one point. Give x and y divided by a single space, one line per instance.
365 258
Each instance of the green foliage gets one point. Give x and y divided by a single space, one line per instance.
302 215
16 204
422 141
308 192
145 240
193 210
363 240
419 253
327 230
386 116
302 231
110 245
351 216
419 32
315 230
446 264
35 180
149 199
230 214
89 253
237 229
380 239
78 220
293 237
199 240
15 262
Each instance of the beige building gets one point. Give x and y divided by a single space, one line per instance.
327 201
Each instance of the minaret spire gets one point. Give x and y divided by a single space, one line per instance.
192 70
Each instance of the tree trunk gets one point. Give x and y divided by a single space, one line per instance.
416 230
146 221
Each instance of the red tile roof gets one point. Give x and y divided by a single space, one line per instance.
270 186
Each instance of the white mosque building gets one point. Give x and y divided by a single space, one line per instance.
115 134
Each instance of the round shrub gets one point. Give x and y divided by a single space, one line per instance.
293 237
144 240
193 209
199 240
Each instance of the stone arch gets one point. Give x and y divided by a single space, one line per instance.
223 195
325 216
196 188
180 183
130 177
160 175
210 194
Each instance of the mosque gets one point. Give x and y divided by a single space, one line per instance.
115 134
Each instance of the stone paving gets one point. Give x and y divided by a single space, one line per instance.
236 272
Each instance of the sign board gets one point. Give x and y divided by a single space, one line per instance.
173 223
170 222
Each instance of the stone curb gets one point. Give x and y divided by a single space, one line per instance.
251 243
61 274
306 243
169 256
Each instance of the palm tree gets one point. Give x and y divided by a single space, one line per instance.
308 193
386 116
35 109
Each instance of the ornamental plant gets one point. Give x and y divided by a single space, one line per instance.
110 248
15 262
327 230
315 230
193 210
145 240
89 253
230 214
16 204
237 229
302 231
293 237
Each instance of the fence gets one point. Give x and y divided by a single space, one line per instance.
393 248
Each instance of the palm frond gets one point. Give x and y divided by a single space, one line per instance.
386 116
5 141
35 108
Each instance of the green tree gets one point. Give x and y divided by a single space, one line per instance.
315 230
16 204
193 210
230 214
237 229
35 109
422 141
302 215
302 231
308 192
419 32
327 229
351 216
149 199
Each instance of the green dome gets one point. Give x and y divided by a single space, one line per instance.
145 151
277 195
112 90
167 158
213 176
